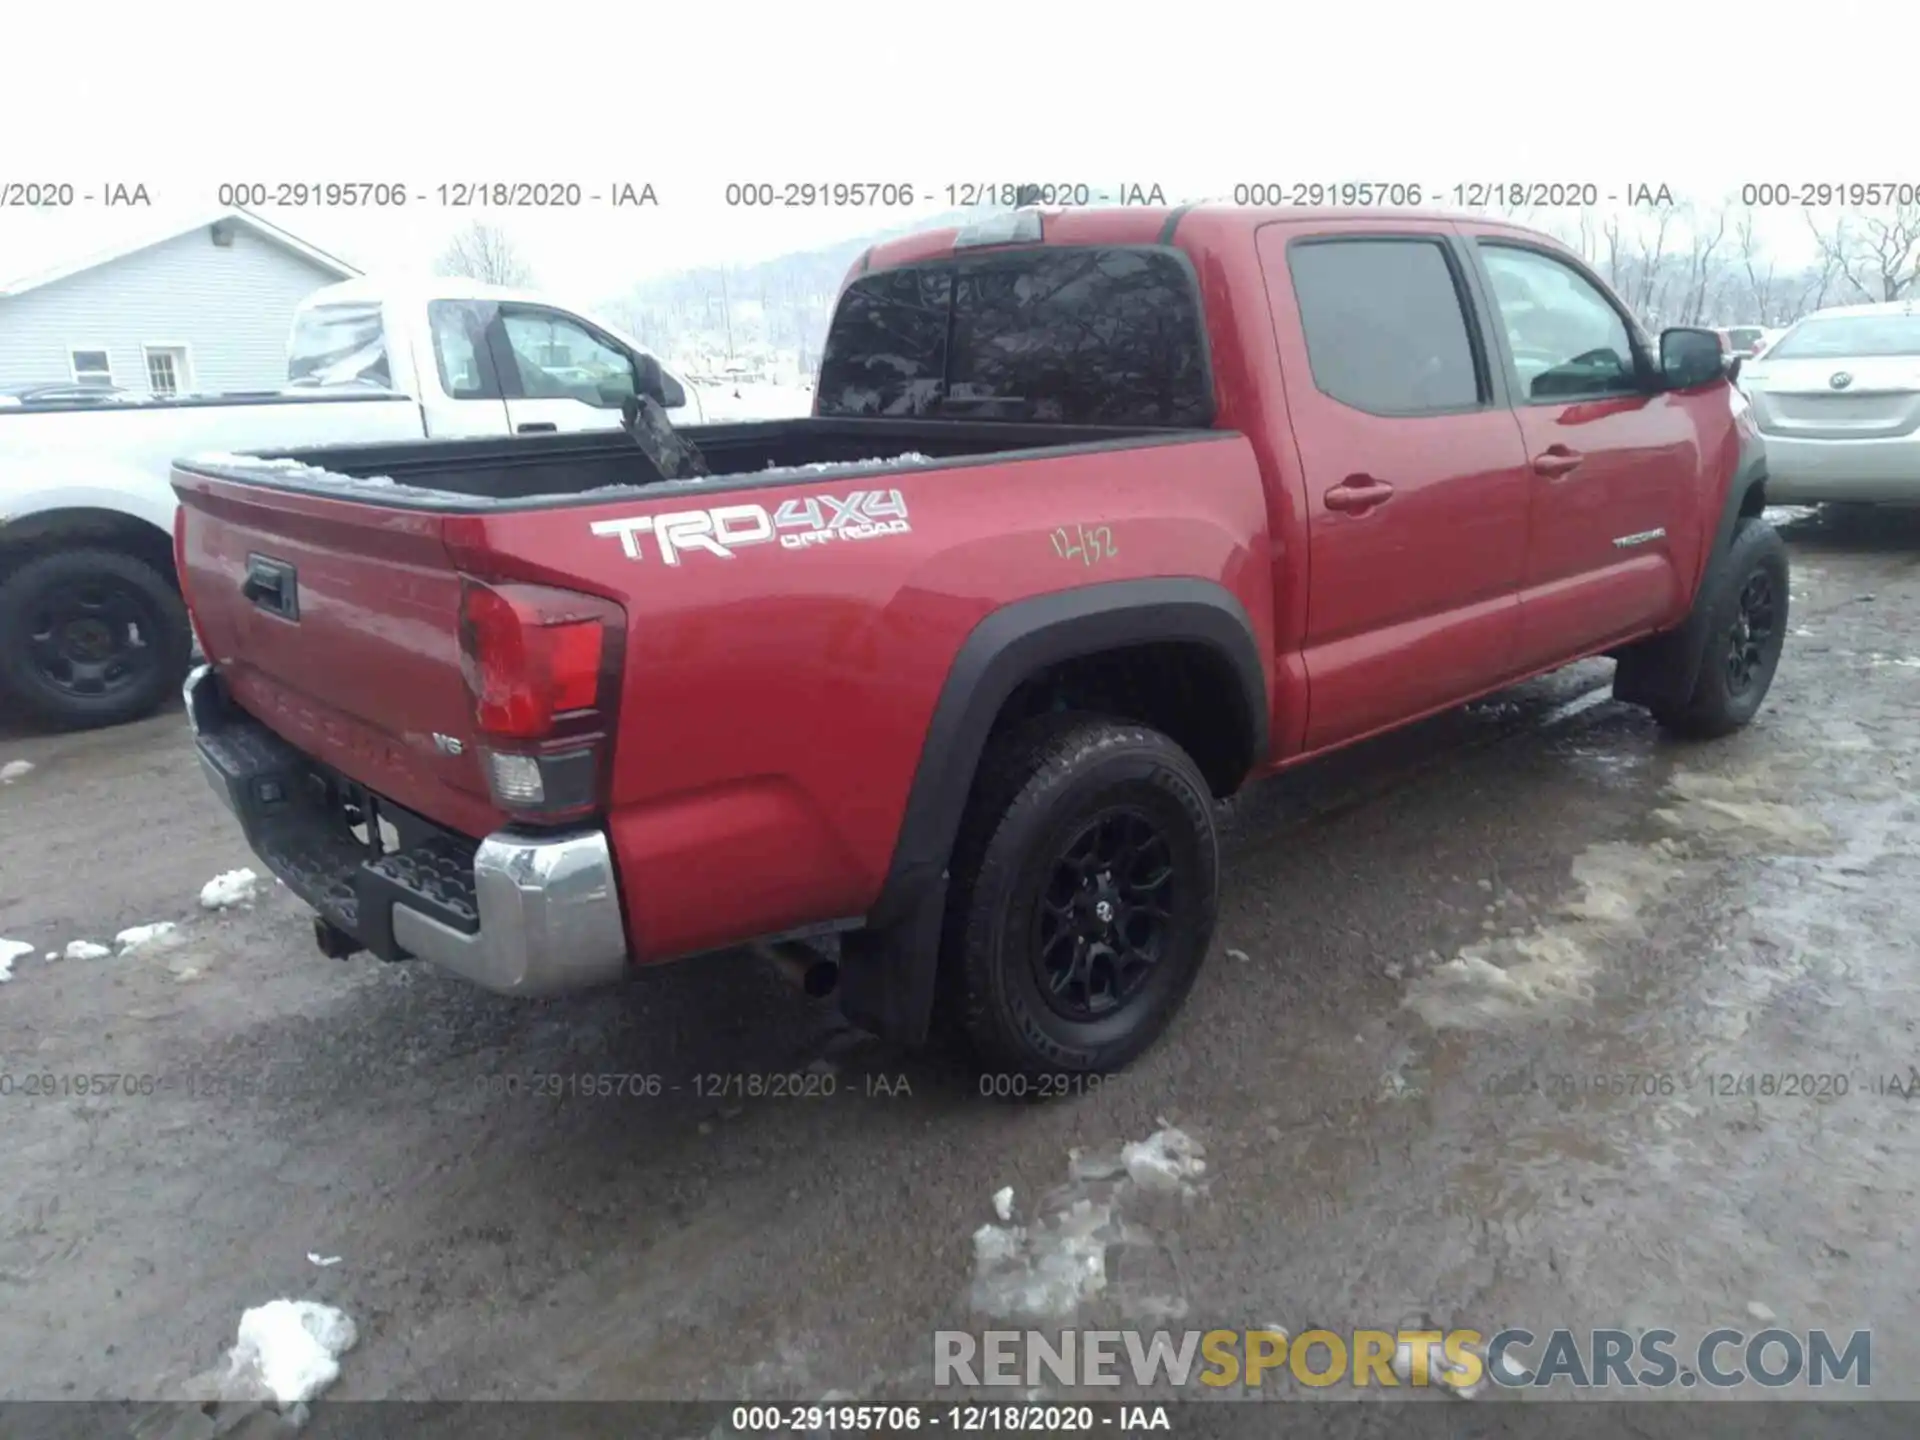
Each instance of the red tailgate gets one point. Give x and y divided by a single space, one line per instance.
336 623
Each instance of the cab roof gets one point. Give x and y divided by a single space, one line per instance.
1159 224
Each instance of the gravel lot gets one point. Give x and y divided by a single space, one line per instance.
1618 904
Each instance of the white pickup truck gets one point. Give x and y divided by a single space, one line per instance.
92 629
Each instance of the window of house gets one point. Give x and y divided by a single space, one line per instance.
91 367
1386 326
1074 335
1567 339
167 370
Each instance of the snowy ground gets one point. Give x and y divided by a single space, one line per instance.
1527 889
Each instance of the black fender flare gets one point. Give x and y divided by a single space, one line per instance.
888 966
1663 669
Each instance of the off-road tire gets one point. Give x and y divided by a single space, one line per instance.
1039 788
1718 706
142 590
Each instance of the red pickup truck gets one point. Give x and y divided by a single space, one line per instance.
1099 515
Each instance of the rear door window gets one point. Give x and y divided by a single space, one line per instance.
1385 326
1073 335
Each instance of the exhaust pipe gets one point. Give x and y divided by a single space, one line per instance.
807 970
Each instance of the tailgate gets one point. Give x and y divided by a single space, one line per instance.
336 623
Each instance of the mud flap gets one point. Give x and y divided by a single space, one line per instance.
888 973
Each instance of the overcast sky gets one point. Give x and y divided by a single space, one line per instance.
1194 99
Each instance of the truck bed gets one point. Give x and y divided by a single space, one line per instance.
538 470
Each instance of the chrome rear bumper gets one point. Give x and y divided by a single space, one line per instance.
519 913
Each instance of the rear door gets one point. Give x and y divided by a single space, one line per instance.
1615 464
1416 475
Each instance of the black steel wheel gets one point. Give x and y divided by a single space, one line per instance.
1084 890
1750 637
1745 624
91 638
1104 917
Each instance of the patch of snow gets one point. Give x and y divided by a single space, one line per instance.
1763 1313
86 950
53 954
1081 1246
314 475
10 951
1729 809
1496 981
1165 1160
911 457
231 887
136 936
1236 955
322 1260
288 1351
14 770
1048 1270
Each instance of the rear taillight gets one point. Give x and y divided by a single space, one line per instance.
542 666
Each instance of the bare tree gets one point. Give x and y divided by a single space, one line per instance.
1760 270
1876 252
485 253
1703 271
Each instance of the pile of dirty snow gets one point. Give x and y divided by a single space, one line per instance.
229 888
1052 1265
10 951
288 1351
138 937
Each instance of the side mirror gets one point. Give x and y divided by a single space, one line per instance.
1690 357
658 386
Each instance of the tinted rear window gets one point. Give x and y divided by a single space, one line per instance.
1848 337
1384 326
1082 336
339 345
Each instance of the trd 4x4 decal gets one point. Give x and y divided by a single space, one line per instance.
798 525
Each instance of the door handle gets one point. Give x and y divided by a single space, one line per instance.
537 427
1358 492
1557 460
272 586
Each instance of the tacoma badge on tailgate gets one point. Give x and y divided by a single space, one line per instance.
797 524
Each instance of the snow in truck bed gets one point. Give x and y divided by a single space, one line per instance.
325 479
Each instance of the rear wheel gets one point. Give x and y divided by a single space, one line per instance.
1085 889
1746 630
90 638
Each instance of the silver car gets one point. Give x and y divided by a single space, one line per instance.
1837 400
